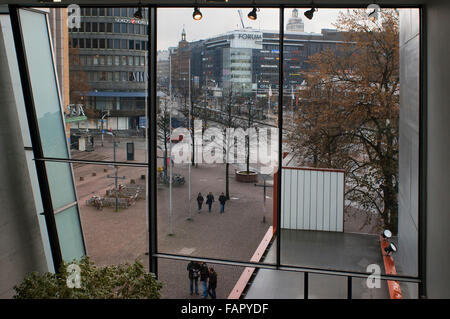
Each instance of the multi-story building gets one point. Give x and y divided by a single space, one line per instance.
112 47
162 68
179 62
248 59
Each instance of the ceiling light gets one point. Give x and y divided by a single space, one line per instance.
197 15
138 14
252 14
309 14
392 248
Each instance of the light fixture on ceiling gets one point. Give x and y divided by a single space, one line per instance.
310 13
197 15
138 13
252 14
392 248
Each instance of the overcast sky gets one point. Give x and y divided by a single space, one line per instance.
216 21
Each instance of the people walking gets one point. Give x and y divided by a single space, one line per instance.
209 201
212 283
204 275
193 269
222 200
200 200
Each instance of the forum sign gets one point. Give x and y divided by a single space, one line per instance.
251 40
250 36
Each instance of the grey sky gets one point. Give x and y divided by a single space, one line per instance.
220 20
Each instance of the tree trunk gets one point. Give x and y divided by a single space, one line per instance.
390 202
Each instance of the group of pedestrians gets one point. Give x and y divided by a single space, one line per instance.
207 276
210 201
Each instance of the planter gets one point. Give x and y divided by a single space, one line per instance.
243 177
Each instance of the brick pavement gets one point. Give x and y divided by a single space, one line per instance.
116 237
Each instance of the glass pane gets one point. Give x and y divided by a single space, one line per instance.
45 93
100 105
69 234
115 227
327 287
369 289
342 182
52 131
276 284
176 283
216 89
61 183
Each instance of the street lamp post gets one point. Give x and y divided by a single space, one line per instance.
116 170
264 194
189 129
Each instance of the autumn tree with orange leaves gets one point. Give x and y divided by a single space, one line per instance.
349 110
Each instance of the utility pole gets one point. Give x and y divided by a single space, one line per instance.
170 171
189 129
170 152
264 193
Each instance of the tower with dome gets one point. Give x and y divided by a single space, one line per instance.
295 23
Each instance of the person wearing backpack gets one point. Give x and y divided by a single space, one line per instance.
200 202
193 269
209 201
212 283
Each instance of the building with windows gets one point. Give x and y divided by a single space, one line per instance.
112 51
248 59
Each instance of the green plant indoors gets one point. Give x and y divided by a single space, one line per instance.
127 281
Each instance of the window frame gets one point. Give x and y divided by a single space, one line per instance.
151 48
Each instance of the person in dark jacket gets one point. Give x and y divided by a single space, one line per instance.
209 200
212 283
222 200
204 274
193 269
200 200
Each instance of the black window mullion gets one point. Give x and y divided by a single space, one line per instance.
280 132
152 142
422 196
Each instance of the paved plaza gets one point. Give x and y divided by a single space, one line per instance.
117 237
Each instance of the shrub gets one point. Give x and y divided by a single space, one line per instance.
126 281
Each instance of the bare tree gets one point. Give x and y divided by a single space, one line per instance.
164 129
349 113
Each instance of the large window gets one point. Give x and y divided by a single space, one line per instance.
282 153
